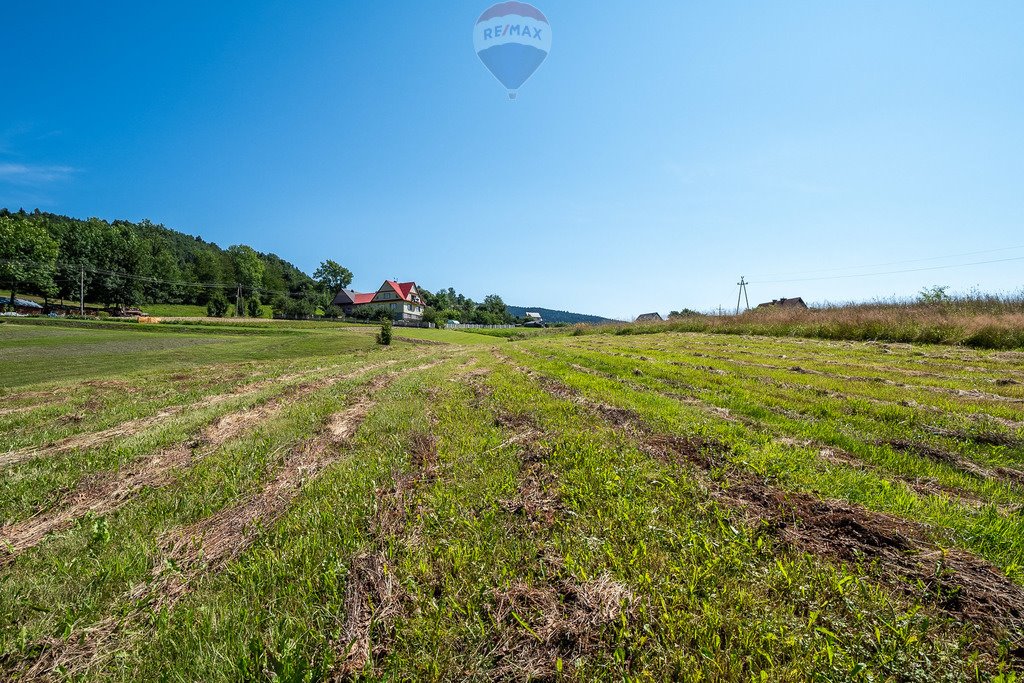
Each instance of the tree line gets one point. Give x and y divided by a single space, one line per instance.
123 264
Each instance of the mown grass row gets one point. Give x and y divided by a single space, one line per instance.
55 590
996 534
870 411
484 589
702 596
480 527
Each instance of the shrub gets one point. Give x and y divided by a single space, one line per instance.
384 336
333 312
217 307
253 307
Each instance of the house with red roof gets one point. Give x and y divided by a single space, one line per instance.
401 298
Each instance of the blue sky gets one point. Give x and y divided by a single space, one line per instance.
663 149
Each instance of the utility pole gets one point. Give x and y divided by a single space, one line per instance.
81 291
238 300
742 294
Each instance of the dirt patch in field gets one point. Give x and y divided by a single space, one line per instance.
537 499
536 626
391 512
982 433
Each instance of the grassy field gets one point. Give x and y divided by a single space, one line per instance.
289 501
982 322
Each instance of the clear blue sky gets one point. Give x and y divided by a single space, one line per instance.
663 150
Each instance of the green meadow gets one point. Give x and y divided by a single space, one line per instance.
268 500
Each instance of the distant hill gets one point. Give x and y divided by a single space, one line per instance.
552 316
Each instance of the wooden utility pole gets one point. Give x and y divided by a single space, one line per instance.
238 300
742 294
81 291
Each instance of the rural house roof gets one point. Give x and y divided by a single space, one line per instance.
351 297
795 302
402 288
649 317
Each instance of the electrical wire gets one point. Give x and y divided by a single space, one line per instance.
889 272
891 263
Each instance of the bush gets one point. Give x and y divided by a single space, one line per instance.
384 336
294 308
254 307
217 307
380 313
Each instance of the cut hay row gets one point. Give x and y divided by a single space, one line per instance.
766 395
103 494
190 552
558 619
137 426
959 583
373 599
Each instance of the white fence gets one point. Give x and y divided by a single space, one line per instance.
461 326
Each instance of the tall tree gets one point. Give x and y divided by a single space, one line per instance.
333 276
28 256
248 269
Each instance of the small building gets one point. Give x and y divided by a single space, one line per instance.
401 298
534 317
21 306
649 318
796 302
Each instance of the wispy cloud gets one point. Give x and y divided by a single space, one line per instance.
33 174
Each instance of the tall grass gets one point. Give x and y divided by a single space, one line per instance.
977 321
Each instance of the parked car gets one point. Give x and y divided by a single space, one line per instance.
535 323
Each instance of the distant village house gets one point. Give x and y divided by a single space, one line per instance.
401 298
649 318
796 302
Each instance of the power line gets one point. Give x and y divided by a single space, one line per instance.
893 272
892 263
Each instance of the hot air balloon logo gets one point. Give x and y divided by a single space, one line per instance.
512 39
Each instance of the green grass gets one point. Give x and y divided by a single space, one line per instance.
61 352
483 523
984 323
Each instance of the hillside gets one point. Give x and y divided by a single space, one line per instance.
553 316
122 262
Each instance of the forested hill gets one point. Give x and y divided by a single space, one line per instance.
134 263
551 316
